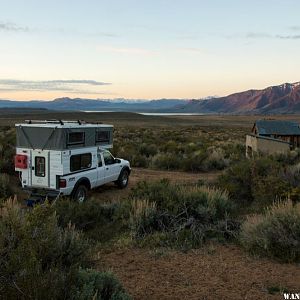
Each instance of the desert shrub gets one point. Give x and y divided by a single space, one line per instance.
254 184
266 189
7 150
41 260
189 215
237 181
148 150
139 161
161 192
83 215
99 221
91 284
38 259
166 161
5 187
275 234
183 148
215 159
194 161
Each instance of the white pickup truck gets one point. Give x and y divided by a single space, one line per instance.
66 158
93 174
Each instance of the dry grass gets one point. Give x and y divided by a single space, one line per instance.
275 234
141 208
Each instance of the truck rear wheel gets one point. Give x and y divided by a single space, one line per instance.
80 194
123 179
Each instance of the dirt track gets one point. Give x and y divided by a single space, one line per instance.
214 272
112 193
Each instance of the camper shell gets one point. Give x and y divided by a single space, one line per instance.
59 156
63 135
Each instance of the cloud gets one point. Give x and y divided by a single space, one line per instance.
125 50
70 86
191 50
263 35
8 26
105 34
257 35
13 27
295 28
288 37
249 35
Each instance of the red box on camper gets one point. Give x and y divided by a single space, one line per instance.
21 161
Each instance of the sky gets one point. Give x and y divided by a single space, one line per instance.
140 49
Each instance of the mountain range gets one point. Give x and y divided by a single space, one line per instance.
95 104
284 98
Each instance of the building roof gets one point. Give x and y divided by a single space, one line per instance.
268 127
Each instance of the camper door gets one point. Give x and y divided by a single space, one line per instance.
40 168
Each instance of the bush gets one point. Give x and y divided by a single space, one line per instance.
166 161
255 183
189 215
98 286
275 234
5 187
40 260
146 219
7 149
99 221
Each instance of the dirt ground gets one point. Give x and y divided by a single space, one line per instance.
214 272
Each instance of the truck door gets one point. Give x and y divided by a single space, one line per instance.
40 168
112 169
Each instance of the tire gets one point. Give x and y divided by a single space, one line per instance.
80 194
123 179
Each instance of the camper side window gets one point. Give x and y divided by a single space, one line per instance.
75 138
80 162
102 136
40 166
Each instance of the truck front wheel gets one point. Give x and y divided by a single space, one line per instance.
123 179
80 195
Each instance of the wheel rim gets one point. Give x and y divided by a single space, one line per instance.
124 179
81 196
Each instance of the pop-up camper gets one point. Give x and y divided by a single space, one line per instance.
67 158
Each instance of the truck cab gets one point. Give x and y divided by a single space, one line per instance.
87 175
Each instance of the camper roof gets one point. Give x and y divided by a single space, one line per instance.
61 124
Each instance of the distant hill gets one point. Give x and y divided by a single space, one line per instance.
284 98
95 105
281 99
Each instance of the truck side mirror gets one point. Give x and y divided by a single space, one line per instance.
117 161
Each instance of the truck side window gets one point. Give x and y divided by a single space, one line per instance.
80 162
108 158
99 160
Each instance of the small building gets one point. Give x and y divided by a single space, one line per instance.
272 137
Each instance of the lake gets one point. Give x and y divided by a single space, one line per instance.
148 114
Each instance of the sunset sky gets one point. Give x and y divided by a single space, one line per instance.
146 49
